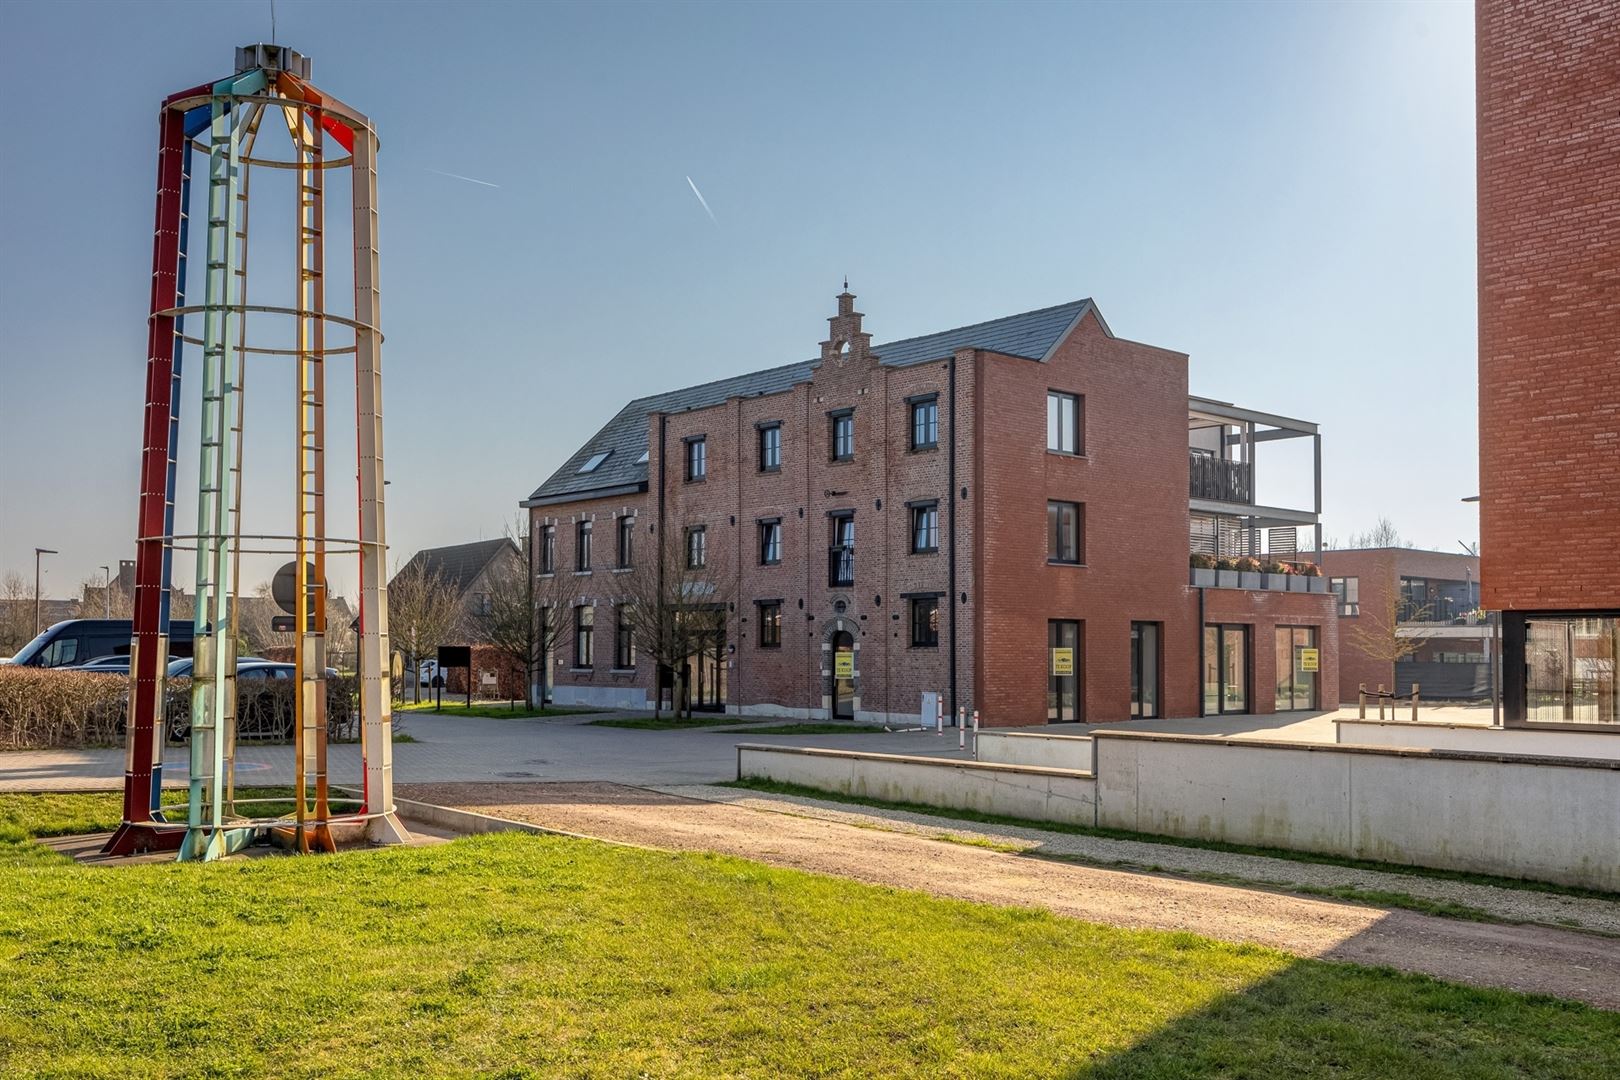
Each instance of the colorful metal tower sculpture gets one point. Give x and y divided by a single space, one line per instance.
227 114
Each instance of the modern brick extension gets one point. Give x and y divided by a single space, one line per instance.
1549 351
948 483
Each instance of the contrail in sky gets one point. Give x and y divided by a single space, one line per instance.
702 200
469 179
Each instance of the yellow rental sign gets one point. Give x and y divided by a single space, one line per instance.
1308 659
844 665
1063 661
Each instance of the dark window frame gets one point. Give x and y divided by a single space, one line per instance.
582 545
921 512
770 623
926 410
585 636
700 534
696 458
768 440
1340 588
624 637
627 542
840 422
924 632
1077 421
548 549
770 541
1055 552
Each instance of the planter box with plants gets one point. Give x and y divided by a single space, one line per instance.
1246 572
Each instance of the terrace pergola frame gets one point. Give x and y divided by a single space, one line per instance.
1254 427
268 79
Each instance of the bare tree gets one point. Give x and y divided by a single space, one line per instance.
1382 535
104 600
674 610
1376 632
522 619
423 613
254 623
16 612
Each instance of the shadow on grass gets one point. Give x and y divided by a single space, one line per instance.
1319 1019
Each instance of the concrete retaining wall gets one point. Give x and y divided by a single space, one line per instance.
1041 750
1551 819
1015 791
1435 736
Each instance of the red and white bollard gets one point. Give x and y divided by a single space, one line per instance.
939 715
961 727
975 734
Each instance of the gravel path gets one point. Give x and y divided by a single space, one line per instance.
1508 905
1534 959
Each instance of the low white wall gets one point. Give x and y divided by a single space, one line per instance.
602 697
1488 740
1551 819
1014 791
1030 748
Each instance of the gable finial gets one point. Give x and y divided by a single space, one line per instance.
846 283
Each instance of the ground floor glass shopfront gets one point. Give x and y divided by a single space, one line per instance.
1571 669
1297 662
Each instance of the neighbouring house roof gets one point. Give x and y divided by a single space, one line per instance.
460 564
1032 335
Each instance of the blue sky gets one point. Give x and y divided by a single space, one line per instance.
1285 192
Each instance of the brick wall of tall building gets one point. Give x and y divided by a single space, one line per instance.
1549 304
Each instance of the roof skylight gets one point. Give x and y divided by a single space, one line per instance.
642 460
595 461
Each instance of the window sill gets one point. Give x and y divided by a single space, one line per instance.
769 565
547 574
622 569
1066 454
924 551
582 573
842 460
1064 562
696 479
919 645
925 448
582 671
767 470
772 645
621 671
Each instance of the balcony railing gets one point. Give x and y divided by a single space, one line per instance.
1210 477
841 565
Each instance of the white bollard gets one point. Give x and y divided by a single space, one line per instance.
975 734
939 715
961 727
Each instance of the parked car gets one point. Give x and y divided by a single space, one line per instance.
105 665
77 640
260 713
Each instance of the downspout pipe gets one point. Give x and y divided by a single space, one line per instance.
951 499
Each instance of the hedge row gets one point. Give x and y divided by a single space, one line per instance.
44 709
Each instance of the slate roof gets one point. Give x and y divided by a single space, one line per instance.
1032 335
460 564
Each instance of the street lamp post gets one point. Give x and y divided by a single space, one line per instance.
106 592
37 553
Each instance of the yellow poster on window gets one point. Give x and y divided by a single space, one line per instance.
1063 661
1308 659
844 665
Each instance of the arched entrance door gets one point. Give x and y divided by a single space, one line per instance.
843 695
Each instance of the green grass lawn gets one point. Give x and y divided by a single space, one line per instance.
665 723
808 729
514 955
498 710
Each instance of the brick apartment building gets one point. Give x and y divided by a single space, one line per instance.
1029 489
1427 599
1549 351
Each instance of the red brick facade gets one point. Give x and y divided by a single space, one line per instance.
1549 303
1131 477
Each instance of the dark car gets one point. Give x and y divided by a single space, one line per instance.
263 710
78 640
105 665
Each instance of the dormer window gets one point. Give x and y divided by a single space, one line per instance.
642 460
594 462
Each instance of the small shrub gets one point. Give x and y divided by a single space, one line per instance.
1226 562
1201 561
1248 565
